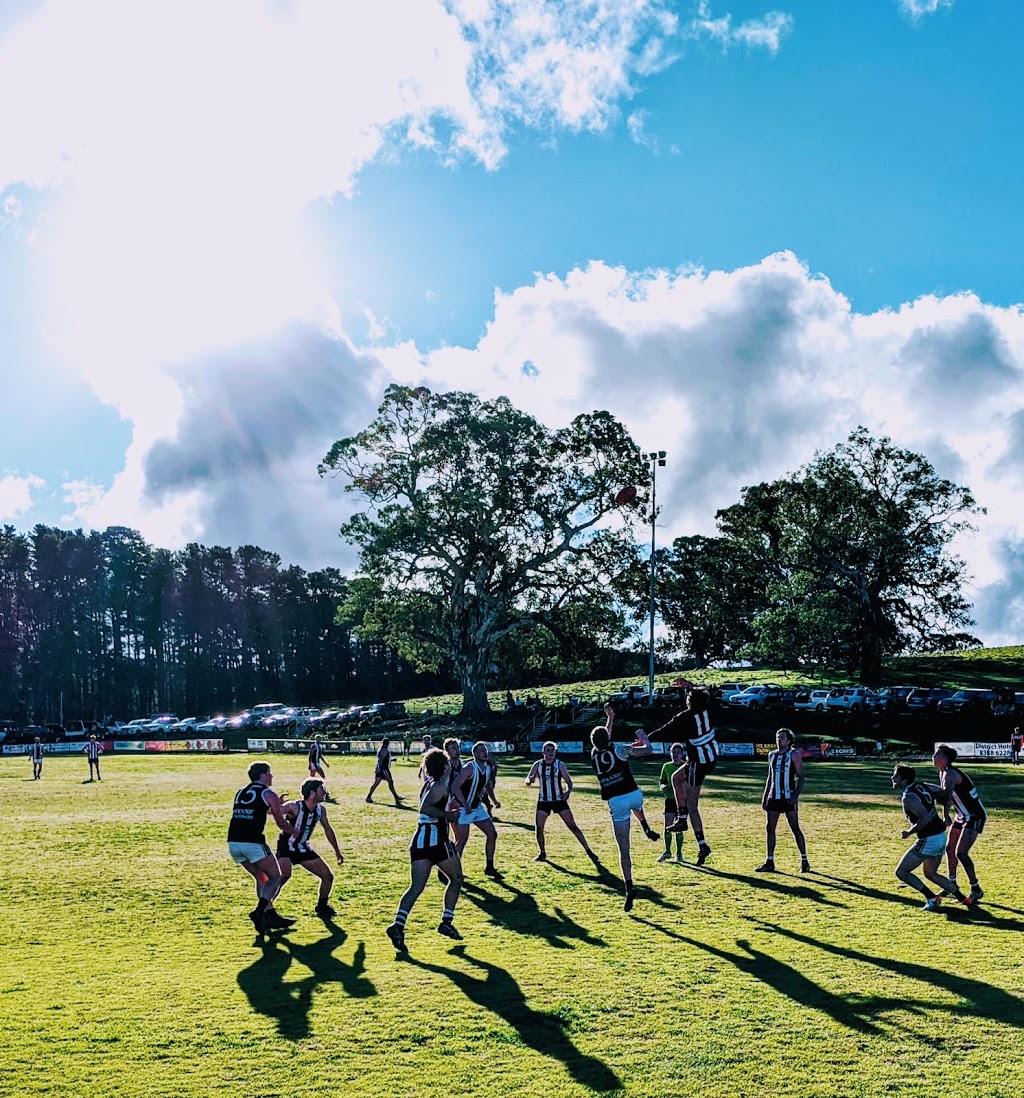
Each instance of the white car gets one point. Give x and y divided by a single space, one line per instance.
851 699
759 696
136 726
214 724
811 699
188 724
728 690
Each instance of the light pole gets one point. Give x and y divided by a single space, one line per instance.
656 458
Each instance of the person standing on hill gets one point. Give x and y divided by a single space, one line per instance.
693 726
927 828
781 796
619 789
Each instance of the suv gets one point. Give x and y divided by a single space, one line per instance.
924 699
849 698
969 701
726 691
892 699
383 711
811 699
758 697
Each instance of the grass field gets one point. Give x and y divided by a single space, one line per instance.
128 967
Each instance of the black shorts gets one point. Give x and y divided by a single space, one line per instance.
434 854
382 775
671 808
696 772
553 806
779 804
296 857
972 823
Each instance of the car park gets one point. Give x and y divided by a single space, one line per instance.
630 695
813 700
188 725
136 727
892 699
725 691
212 726
159 724
849 699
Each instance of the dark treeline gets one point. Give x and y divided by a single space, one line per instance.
103 624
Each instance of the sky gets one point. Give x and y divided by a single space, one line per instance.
227 225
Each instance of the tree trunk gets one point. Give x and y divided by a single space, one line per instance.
473 669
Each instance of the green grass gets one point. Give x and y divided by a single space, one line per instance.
128 968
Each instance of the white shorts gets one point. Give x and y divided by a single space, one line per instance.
621 806
473 815
934 846
248 852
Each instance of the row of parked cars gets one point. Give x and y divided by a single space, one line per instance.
855 699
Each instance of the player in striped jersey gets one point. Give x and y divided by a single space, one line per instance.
781 795
618 787
93 749
431 847
471 787
294 848
964 812
315 759
927 828
693 727
37 759
555 785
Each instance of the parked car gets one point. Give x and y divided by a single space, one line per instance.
849 699
892 699
383 711
968 701
136 727
670 695
924 699
243 722
725 691
811 699
761 696
629 696
212 726
161 723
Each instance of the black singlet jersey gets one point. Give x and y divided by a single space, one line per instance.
383 765
316 754
966 800
249 815
933 824
613 773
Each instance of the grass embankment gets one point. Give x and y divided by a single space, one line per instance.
129 969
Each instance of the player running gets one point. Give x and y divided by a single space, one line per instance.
92 750
619 789
382 772
555 785
693 725
676 758
964 812
781 796
37 759
471 789
317 759
247 843
431 847
930 832
293 847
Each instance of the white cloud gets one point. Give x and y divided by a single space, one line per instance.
636 123
918 8
766 32
16 494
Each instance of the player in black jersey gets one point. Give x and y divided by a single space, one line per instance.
553 796
430 847
382 772
964 813
315 759
37 759
927 828
693 727
294 848
620 791
247 843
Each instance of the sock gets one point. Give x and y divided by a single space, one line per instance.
668 841
448 915
679 846
400 917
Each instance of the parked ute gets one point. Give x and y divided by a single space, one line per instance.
925 699
968 701
849 699
758 697
812 700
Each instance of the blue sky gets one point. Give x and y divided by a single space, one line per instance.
802 217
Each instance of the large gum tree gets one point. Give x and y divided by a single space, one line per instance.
478 521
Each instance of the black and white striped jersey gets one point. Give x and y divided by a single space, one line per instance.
429 831
781 775
306 820
549 777
701 745
473 787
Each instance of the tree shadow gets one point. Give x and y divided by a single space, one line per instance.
978 998
521 914
857 1013
263 982
498 992
768 883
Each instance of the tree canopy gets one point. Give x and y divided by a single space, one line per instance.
481 521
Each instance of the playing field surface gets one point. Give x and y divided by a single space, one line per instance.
128 966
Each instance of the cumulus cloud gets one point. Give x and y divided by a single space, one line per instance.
16 494
918 8
765 32
742 375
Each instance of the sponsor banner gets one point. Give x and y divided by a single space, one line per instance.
763 749
156 745
838 750
204 745
812 751
63 748
744 750
256 745
18 748
980 750
129 745
363 747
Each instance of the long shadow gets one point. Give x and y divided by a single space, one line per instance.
979 999
263 982
857 1015
841 884
769 883
612 883
498 992
521 914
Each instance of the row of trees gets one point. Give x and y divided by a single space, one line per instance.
97 624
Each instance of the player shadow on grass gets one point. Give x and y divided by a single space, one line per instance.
521 914
856 1013
973 997
771 883
842 884
497 991
263 982
603 876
